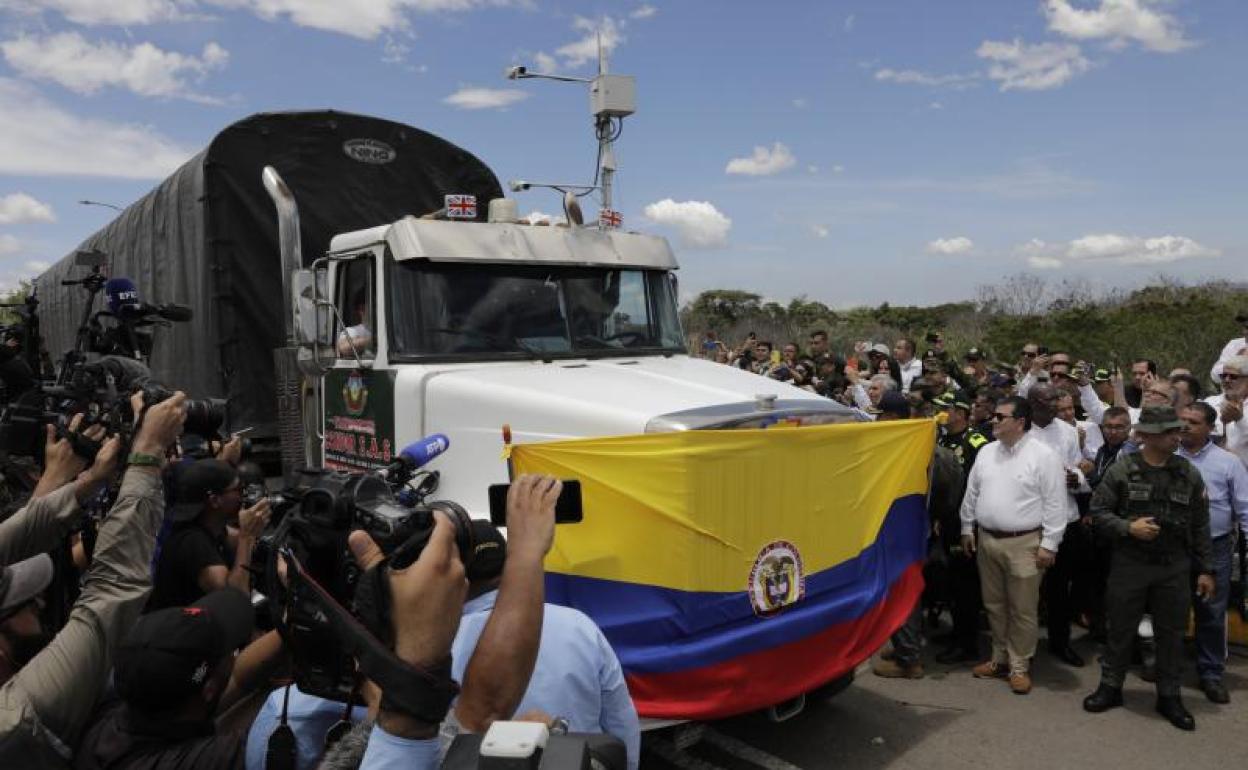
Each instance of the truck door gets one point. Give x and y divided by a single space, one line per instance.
359 395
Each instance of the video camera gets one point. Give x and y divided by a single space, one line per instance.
320 508
100 391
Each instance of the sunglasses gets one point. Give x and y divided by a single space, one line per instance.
998 417
1030 353
1226 377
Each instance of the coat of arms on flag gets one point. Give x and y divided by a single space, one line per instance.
461 207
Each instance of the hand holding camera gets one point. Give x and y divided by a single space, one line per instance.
426 598
160 425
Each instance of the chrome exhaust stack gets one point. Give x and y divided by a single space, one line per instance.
296 441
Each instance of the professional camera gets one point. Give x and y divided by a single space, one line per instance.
325 507
100 391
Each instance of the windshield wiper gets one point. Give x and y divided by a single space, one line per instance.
497 343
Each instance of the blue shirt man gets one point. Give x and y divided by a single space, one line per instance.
577 675
1226 483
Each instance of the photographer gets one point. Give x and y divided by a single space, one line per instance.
576 675
45 701
176 672
55 504
192 559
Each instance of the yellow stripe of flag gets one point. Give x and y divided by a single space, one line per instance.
691 510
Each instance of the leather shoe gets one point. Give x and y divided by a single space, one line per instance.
1020 682
1171 707
956 654
1104 699
990 669
1067 655
1215 691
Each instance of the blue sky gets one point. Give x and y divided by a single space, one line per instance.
853 152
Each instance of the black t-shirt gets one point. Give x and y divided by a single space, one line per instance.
187 550
120 739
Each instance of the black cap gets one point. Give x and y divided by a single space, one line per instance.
169 653
489 553
974 354
194 482
1242 317
894 404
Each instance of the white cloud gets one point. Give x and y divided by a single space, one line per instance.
644 12
1041 262
838 169
812 169
365 19
97 12
1113 248
1134 250
1028 67
20 208
698 223
469 98
948 246
534 217
917 78
36 266
38 138
935 106
578 52
800 103
9 245
544 63
819 231
849 23
1119 22
394 50
763 162
72 61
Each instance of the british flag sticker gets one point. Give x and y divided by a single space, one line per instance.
609 220
461 207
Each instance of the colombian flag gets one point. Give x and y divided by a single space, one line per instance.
732 570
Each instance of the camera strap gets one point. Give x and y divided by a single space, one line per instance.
423 693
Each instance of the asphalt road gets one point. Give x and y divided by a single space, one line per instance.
951 720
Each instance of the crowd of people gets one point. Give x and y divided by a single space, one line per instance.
1064 494
160 663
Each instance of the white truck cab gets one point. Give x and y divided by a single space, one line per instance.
461 328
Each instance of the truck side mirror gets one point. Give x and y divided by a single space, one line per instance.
312 322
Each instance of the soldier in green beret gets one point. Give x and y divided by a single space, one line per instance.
1152 507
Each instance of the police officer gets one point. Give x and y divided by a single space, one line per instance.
1152 506
964 442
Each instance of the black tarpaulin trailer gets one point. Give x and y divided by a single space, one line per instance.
207 237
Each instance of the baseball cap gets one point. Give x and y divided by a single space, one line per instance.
169 653
194 482
489 554
895 404
974 354
1158 419
23 581
880 348
1100 375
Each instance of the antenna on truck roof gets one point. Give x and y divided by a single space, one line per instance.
611 99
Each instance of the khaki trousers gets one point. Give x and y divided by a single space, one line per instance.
1010 582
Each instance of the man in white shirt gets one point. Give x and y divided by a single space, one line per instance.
1232 424
1016 496
911 367
1236 347
1073 558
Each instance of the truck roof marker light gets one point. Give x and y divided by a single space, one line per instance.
507 442
503 210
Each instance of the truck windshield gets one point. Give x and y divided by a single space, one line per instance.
478 309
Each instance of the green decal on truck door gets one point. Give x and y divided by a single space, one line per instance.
359 419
